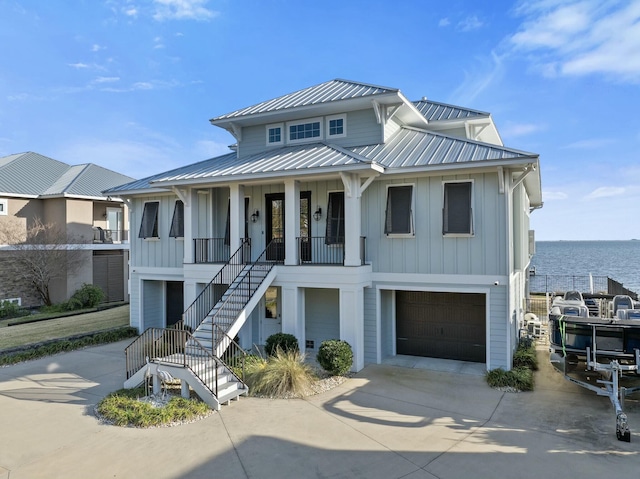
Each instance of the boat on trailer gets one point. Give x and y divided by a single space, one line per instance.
607 345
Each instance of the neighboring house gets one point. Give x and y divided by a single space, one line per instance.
401 227
34 187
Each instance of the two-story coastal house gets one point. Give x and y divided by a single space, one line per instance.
401 227
35 188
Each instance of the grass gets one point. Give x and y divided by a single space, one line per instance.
61 327
123 408
283 374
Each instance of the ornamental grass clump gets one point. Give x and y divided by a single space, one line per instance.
335 356
284 374
124 408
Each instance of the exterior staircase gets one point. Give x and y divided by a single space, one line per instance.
201 351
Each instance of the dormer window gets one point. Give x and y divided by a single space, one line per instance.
336 126
308 130
275 134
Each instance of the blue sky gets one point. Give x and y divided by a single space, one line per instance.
130 85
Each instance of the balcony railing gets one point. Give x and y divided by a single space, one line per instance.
317 250
109 236
211 250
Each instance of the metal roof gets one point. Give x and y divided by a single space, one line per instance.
411 147
435 111
333 90
307 158
32 174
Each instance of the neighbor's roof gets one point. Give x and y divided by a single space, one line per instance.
34 175
435 111
326 92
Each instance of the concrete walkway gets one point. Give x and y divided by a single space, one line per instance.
387 422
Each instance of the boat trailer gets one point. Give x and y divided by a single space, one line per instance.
612 372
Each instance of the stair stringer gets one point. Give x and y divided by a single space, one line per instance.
235 327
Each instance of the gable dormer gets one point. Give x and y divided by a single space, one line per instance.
459 121
339 112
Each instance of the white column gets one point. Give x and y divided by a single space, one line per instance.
236 218
291 221
190 224
293 313
352 214
352 323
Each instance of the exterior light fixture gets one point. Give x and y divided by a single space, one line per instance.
318 214
255 216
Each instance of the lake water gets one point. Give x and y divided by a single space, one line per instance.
620 260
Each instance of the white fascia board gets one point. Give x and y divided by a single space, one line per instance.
4 194
489 165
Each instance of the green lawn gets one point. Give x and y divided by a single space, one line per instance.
23 334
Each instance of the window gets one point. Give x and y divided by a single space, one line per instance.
149 225
305 131
337 126
457 214
274 134
399 214
177 223
335 219
4 207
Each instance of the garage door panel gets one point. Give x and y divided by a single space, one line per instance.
443 325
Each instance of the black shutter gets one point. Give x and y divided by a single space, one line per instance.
457 208
335 219
149 224
398 214
177 223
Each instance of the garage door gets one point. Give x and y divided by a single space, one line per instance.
441 325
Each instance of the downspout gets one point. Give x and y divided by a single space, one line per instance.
508 198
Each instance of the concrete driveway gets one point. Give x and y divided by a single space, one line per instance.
386 422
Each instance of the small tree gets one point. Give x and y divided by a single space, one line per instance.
46 255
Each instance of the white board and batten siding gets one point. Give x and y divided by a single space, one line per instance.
322 315
429 251
164 252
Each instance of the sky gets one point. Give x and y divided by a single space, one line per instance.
131 84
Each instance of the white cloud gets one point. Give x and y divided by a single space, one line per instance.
554 195
475 82
470 23
444 22
606 192
96 48
591 143
131 12
182 10
513 130
106 79
581 37
79 66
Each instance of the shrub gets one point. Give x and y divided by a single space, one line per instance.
518 378
525 356
88 296
123 408
283 374
286 342
335 356
10 309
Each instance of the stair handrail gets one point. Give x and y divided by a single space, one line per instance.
231 354
207 299
248 293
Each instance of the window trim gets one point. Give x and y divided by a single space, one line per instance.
4 202
334 239
282 133
471 233
342 117
179 234
157 225
412 225
314 139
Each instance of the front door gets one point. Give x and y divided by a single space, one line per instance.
275 226
272 322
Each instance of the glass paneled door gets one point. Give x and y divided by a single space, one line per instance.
275 225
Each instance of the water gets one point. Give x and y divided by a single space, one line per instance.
620 260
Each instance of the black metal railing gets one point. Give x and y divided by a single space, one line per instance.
322 251
211 250
237 297
559 284
212 292
101 235
234 357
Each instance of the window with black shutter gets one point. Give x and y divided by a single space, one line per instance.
457 214
177 223
149 225
399 214
335 219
